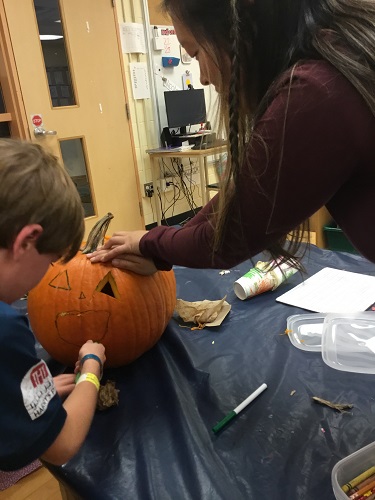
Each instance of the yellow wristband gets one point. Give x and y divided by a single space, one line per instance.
89 377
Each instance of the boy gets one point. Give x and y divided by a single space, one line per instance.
41 221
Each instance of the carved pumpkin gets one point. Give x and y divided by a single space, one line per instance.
79 301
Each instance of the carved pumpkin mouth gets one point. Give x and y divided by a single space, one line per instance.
81 323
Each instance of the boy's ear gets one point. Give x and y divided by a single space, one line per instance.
26 239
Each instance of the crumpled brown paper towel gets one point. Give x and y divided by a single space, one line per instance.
108 395
203 312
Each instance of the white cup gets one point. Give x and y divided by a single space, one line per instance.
259 279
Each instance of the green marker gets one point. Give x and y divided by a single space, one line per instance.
239 408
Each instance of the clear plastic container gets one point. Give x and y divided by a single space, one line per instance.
305 331
348 342
350 467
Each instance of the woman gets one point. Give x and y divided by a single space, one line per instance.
297 86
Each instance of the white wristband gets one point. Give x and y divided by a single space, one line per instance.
89 377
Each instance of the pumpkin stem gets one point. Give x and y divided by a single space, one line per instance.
97 234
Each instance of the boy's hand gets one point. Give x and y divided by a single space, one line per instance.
64 384
90 347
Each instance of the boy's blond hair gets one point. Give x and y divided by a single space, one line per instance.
36 189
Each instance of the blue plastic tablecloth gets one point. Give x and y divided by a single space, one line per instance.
158 443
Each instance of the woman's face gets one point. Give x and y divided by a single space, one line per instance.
209 71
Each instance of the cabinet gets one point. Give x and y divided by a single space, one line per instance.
316 223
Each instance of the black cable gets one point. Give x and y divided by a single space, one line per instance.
152 209
184 189
161 207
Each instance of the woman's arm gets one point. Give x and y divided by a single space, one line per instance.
303 150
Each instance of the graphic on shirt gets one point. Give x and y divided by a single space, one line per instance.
37 389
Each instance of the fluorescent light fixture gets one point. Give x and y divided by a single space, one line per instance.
58 21
50 37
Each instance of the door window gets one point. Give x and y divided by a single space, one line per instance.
74 159
4 119
52 39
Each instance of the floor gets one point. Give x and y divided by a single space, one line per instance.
39 485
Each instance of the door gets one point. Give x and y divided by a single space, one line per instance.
72 84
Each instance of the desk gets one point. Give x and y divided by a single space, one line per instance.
200 154
158 444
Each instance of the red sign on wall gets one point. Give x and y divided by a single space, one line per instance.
37 120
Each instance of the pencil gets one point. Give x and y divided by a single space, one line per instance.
239 408
365 489
358 479
367 495
371 497
360 485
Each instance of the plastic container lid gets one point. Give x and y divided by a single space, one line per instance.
348 342
305 331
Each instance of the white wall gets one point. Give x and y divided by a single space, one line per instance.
146 117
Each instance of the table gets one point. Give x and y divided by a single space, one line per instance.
158 443
200 154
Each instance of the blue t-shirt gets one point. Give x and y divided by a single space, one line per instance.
31 412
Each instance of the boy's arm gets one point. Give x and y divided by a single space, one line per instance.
80 407
64 384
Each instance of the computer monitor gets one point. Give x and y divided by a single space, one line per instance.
184 108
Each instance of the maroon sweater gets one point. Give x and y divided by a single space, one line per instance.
326 156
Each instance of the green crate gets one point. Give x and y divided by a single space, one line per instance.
336 239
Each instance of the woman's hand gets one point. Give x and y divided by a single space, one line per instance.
135 263
120 243
64 384
122 250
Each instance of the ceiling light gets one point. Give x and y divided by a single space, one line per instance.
50 37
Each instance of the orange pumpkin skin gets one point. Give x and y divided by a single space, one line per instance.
81 301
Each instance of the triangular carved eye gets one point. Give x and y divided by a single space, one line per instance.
108 286
61 281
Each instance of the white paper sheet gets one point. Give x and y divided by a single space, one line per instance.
332 290
132 38
139 79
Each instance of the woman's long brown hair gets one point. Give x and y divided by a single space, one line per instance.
264 38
